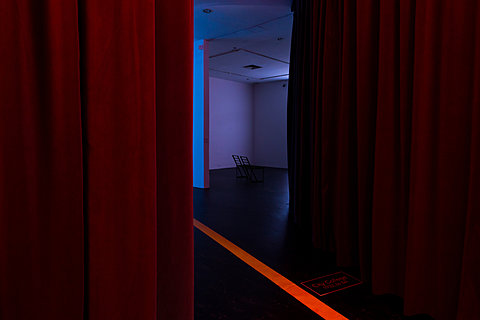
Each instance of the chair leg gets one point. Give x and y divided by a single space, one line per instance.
240 172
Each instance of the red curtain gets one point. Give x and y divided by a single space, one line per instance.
41 219
384 144
95 165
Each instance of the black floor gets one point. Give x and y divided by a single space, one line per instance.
254 216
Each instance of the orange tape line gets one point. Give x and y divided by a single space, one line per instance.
291 288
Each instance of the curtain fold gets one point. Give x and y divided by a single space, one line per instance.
174 102
118 100
41 216
95 159
383 166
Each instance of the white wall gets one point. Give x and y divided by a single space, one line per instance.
249 120
270 124
231 122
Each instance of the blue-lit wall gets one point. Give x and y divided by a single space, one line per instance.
200 110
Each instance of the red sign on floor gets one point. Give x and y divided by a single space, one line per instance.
331 283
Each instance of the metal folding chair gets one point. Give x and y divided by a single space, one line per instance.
240 170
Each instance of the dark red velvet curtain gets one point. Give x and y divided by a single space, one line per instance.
41 215
95 159
384 145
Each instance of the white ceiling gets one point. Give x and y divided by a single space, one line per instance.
246 32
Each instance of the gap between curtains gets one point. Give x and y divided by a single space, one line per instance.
384 149
95 159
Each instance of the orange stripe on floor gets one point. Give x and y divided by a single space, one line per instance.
291 288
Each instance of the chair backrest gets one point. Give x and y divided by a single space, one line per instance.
237 160
245 161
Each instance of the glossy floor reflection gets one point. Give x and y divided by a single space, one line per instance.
255 218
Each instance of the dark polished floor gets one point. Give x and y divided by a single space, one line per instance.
254 216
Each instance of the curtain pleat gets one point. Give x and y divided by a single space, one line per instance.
41 217
174 73
95 160
389 176
470 281
367 17
118 99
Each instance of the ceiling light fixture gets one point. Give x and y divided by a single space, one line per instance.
252 67
207 11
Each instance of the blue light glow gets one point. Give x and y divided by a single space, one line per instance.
198 115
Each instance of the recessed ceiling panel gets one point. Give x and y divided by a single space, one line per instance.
234 63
